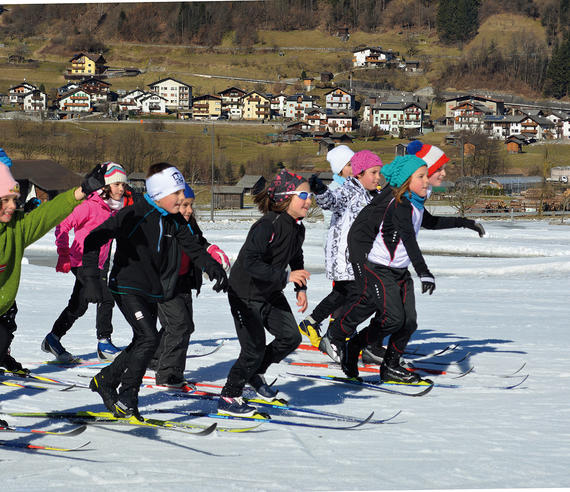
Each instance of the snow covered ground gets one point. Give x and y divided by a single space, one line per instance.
503 299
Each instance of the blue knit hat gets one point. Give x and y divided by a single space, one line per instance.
4 159
401 168
413 147
188 192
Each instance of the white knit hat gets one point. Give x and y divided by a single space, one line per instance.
167 181
339 157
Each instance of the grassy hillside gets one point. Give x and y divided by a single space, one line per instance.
264 61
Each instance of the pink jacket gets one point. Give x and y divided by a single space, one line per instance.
84 218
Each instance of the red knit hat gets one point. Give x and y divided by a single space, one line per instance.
433 156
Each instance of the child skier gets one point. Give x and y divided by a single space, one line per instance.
436 160
94 211
150 236
17 231
387 285
175 315
345 203
256 297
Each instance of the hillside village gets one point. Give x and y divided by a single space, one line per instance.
338 116
88 92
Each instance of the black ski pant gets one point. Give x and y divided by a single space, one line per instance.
130 365
251 319
77 306
388 292
332 304
176 322
7 328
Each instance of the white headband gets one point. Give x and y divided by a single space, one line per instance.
161 184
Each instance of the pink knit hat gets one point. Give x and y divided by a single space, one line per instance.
363 160
8 185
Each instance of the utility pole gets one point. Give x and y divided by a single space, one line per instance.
205 131
212 204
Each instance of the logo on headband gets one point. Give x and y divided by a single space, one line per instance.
15 188
178 178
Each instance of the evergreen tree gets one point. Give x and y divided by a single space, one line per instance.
457 20
557 82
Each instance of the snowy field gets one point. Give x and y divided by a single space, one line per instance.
503 299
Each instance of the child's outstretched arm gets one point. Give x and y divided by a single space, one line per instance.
328 199
437 222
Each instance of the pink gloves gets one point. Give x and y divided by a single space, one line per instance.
63 264
219 256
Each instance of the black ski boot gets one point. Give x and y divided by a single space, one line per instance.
391 370
107 391
349 357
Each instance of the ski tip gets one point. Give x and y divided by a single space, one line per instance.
463 374
517 385
207 430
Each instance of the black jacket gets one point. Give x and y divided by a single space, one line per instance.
385 212
273 244
147 255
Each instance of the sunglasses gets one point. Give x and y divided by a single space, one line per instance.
303 195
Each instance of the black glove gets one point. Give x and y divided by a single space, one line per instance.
31 204
428 283
215 271
476 226
94 180
317 186
92 284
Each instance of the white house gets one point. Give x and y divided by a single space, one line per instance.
503 126
561 120
340 121
35 100
76 101
391 116
316 119
129 101
470 115
278 104
151 103
16 93
366 57
177 94
339 99
143 102
232 102
297 106
530 126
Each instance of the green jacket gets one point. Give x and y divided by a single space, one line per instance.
19 233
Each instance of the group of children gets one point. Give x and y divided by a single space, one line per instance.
161 254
